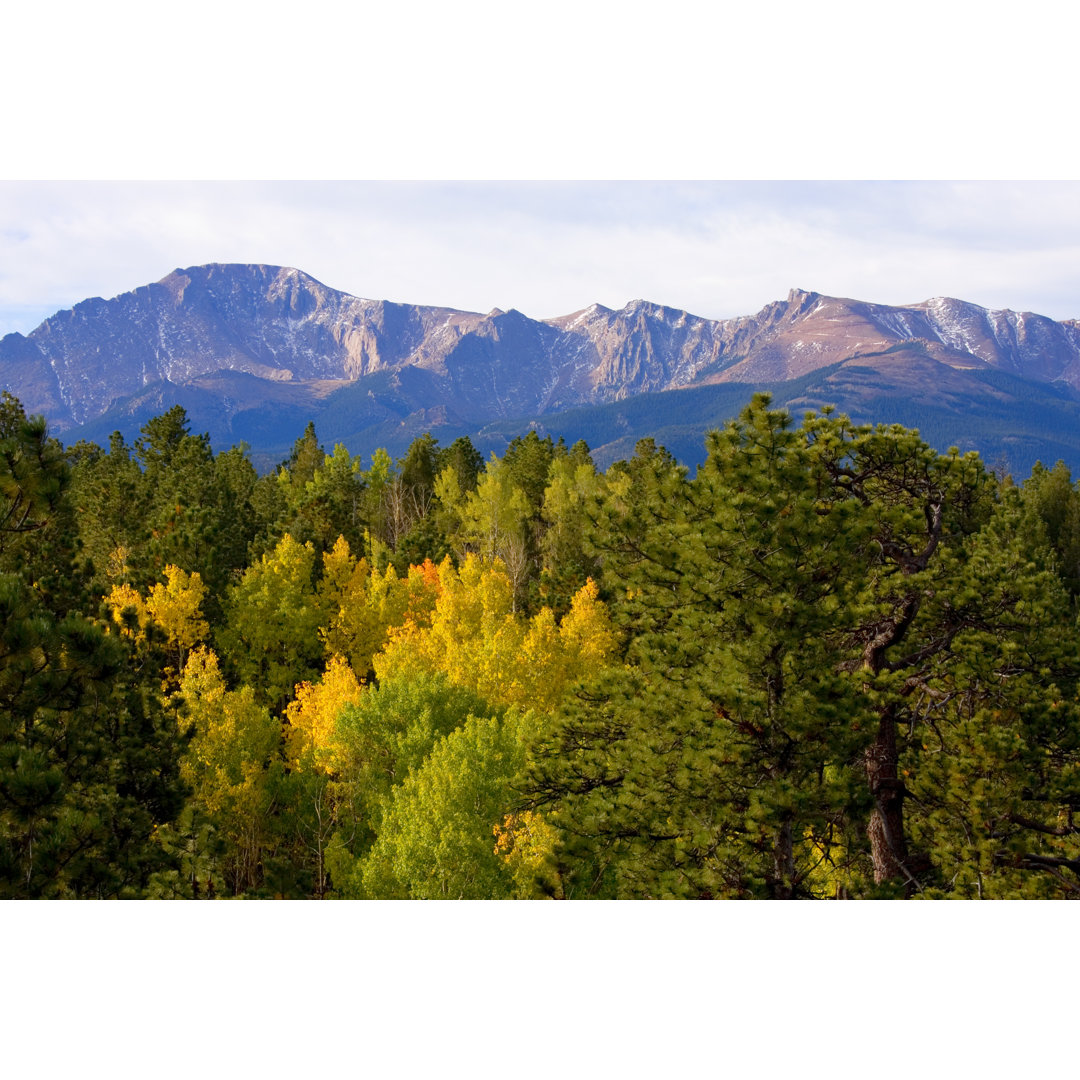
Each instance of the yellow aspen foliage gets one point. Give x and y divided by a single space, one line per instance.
175 607
230 760
117 565
586 630
525 843
541 667
387 598
339 567
554 657
361 606
122 597
232 737
350 628
312 714
472 620
479 641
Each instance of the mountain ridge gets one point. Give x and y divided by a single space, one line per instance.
236 339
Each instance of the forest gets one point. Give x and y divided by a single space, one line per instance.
832 664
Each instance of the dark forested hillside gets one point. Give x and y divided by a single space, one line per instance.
834 662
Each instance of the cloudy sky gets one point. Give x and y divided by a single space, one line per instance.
482 155
548 248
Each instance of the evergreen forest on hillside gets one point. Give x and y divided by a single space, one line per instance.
835 663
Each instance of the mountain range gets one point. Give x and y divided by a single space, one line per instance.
253 352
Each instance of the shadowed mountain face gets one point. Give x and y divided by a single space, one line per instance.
253 351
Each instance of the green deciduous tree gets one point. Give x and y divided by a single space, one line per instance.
437 834
572 485
391 729
272 623
494 521
379 741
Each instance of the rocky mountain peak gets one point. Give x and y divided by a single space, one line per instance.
265 331
802 298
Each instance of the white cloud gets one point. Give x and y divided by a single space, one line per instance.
499 94
715 249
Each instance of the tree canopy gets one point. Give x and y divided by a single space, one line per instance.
833 663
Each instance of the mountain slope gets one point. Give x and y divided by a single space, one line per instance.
253 351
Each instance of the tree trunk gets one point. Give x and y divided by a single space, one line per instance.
888 847
782 887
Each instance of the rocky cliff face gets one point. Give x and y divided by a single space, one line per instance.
808 331
274 323
292 334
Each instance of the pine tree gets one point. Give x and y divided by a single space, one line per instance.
88 755
1053 497
799 619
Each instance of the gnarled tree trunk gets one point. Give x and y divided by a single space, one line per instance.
888 846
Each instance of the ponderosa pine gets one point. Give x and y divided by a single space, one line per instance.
805 620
